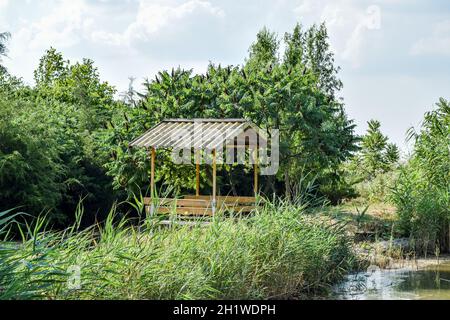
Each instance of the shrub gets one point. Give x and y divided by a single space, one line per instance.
379 189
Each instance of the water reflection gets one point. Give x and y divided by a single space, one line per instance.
400 284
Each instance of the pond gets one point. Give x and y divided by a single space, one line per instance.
430 283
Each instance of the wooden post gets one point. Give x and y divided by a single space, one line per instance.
152 181
256 173
214 165
197 173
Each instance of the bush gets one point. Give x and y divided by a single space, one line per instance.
50 154
30 169
379 189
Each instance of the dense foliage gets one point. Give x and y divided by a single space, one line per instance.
422 193
50 157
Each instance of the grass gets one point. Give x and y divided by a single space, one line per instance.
373 227
278 252
377 220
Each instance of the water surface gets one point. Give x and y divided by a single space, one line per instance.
401 284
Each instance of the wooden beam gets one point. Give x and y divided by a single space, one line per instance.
197 173
214 166
202 205
245 209
152 180
256 173
152 173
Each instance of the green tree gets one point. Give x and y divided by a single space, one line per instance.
30 169
76 84
392 154
377 155
264 51
52 67
373 145
83 109
51 153
296 95
4 36
310 49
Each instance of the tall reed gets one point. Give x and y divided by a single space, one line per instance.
277 252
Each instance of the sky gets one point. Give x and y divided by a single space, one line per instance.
394 54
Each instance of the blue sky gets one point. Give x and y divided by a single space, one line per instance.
394 54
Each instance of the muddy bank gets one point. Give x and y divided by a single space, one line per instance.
394 254
420 263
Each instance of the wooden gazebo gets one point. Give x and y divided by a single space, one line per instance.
207 136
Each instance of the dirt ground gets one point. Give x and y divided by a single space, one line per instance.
420 263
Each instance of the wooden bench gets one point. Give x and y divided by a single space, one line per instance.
229 203
202 205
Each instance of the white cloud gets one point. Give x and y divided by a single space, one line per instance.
153 17
3 4
160 34
437 43
76 26
63 27
348 23
64 24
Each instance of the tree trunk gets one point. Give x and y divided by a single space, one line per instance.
287 185
233 188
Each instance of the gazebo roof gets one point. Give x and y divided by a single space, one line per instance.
205 134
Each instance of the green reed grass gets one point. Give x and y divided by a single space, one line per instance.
277 252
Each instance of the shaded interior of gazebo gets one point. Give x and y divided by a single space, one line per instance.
208 137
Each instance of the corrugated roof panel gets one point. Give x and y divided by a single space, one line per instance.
213 133
232 131
150 135
158 139
172 132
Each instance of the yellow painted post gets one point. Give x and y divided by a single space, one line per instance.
214 165
256 173
152 181
256 189
198 173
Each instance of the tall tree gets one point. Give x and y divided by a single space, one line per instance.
310 49
76 84
377 155
264 51
4 37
